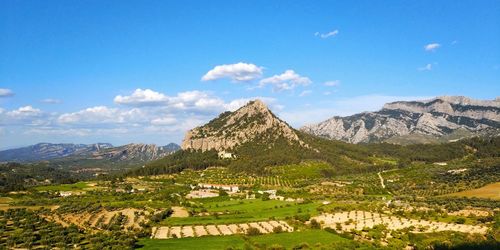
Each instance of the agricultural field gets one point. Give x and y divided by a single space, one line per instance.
307 238
290 206
490 191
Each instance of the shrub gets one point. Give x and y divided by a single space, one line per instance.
252 231
278 229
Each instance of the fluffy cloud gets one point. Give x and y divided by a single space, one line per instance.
6 92
26 111
328 34
332 83
102 115
432 46
238 72
141 97
26 115
427 67
286 81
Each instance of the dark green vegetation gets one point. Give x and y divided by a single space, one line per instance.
21 228
343 158
16 177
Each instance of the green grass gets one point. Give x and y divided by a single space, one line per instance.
287 240
79 186
246 210
205 243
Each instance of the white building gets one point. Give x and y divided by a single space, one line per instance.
226 155
229 188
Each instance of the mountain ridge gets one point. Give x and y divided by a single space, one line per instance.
438 117
96 151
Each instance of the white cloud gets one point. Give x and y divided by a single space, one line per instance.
238 72
51 101
328 34
141 97
454 42
427 67
6 92
327 93
102 115
286 81
332 83
24 116
432 46
26 111
305 92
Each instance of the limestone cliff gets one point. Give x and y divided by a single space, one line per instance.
231 129
446 117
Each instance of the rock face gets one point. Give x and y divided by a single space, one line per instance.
134 152
438 118
231 129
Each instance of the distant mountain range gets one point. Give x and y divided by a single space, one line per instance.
445 118
64 152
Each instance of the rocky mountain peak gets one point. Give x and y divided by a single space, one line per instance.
231 129
439 117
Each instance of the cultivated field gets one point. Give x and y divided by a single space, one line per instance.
491 191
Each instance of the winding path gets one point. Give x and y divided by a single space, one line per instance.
381 180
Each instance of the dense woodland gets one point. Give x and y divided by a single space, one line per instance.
343 157
17 177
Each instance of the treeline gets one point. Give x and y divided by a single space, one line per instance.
479 147
179 161
17 177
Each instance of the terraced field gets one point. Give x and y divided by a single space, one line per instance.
359 220
264 227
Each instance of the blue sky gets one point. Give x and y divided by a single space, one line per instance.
146 71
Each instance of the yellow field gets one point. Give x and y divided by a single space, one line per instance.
491 191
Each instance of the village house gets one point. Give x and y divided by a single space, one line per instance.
202 193
225 155
229 188
65 193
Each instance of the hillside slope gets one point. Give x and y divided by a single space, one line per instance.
232 129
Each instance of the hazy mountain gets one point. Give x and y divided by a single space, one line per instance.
48 151
440 119
92 154
232 129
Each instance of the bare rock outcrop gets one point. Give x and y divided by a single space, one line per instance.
438 117
231 129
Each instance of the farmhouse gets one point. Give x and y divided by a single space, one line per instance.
202 193
226 155
65 193
229 188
